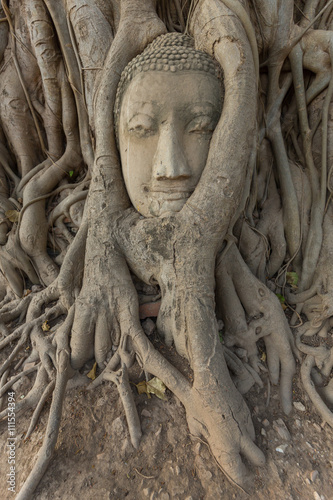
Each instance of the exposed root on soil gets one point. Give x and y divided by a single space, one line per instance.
259 315
51 435
54 370
34 419
308 364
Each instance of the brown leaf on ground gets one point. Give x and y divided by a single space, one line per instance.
153 386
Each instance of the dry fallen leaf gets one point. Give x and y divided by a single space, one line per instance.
142 388
153 386
92 373
45 326
12 215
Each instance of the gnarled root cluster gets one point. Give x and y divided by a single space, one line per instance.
216 411
313 338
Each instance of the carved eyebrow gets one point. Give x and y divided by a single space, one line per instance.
140 108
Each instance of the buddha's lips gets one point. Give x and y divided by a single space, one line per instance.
172 196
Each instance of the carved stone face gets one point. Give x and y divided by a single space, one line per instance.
165 126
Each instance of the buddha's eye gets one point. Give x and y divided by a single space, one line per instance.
141 131
203 124
141 125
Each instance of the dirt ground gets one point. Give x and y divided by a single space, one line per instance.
95 459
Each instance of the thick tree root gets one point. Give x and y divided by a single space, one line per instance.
317 401
250 311
214 409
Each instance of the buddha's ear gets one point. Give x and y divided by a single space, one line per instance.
219 32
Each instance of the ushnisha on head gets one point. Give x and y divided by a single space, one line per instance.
168 104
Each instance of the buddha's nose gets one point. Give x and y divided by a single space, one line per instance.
169 159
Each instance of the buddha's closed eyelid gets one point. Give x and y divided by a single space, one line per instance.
141 125
202 124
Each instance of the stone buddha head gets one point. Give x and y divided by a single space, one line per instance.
169 101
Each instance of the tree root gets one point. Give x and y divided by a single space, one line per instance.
15 309
46 452
25 330
317 401
120 378
2 384
110 367
57 356
33 396
242 374
207 402
34 419
13 336
17 377
15 352
250 311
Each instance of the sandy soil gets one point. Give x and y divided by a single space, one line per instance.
95 459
